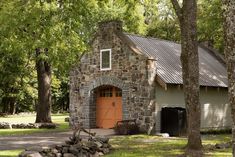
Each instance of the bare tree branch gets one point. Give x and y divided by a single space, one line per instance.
177 8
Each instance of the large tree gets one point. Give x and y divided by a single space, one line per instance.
229 37
187 15
52 33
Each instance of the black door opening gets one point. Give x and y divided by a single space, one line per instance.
173 121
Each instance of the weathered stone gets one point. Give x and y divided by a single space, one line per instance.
223 145
105 150
95 155
25 125
30 154
147 119
84 147
78 145
152 130
68 155
34 148
106 145
98 144
163 134
73 150
59 148
102 139
46 149
209 147
58 155
129 72
143 128
55 151
46 125
49 154
65 150
5 125
101 154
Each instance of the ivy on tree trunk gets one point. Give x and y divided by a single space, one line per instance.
187 15
44 87
229 38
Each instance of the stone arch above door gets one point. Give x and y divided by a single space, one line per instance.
90 106
112 81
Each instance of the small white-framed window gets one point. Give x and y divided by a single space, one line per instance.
105 59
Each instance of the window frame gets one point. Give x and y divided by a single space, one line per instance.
110 58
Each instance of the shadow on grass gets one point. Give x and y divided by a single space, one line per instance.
153 146
142 145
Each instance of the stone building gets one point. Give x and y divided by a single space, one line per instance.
132 77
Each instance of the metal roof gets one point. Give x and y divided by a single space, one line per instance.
212 70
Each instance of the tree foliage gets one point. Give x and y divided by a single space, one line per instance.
210 22
66 28
28 25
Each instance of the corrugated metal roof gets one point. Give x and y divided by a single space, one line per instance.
212 71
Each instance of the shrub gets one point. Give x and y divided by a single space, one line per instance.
216 131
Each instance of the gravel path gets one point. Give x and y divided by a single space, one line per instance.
42 139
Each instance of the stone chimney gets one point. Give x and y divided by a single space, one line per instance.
110 26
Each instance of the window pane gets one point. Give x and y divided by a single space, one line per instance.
118 92
106 92
105 59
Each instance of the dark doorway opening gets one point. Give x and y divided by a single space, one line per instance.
173 121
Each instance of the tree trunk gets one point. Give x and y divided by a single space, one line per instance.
229 38
12 105
190 72
44 88
5 105
9 105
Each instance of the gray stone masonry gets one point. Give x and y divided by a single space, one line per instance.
130 71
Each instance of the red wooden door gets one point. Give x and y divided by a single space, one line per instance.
108 107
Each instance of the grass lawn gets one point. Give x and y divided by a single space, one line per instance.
153 146
56 118
9 153
124 146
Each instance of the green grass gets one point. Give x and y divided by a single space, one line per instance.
153 146
56 118
10 153
124 146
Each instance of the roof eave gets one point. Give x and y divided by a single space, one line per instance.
129 43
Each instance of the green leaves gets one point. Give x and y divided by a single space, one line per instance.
65 28
210 22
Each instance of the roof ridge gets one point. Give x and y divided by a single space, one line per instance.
149 37
214 53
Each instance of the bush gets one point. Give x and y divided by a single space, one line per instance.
216 131
126 127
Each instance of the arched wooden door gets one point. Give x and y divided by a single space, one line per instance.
108 106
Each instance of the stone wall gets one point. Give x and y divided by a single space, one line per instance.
130 73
